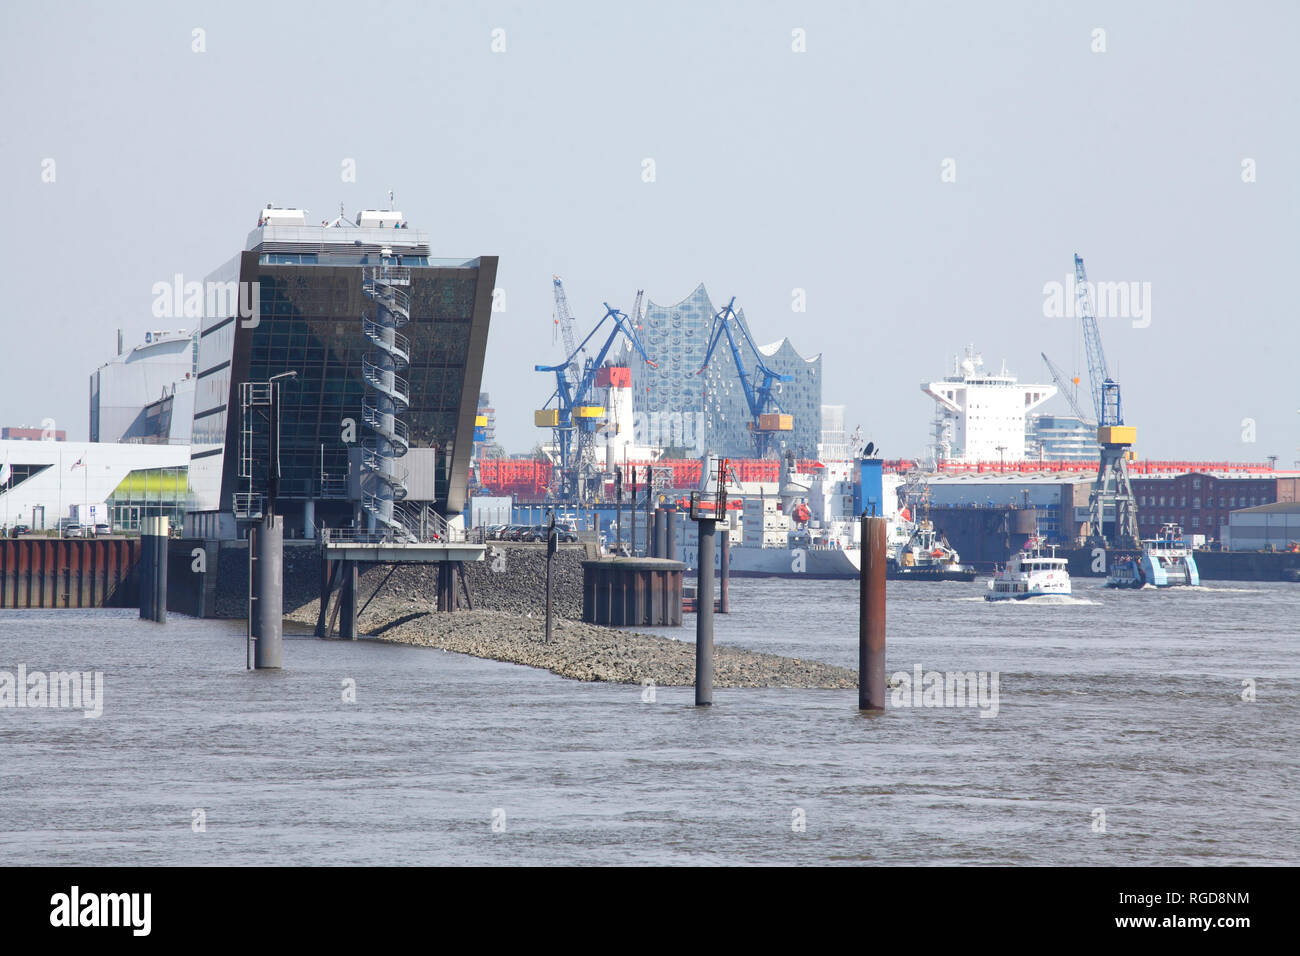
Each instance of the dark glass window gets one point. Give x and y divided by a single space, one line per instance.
311 323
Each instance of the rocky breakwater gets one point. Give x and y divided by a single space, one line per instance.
580 651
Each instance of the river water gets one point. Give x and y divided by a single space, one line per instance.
1119 708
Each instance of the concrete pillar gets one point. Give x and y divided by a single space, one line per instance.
268 651
661 533
704 617
348 602
670 535
309 518
153 569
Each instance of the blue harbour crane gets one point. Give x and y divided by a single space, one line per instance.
767 418
572 412
1112 493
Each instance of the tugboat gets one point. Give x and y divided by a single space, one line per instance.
1031 573
1165 562
925 556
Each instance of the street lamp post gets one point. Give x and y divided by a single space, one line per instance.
266 548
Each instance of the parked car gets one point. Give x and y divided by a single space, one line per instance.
73 530
18 529
102 529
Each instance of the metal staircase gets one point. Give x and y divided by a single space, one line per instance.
388 395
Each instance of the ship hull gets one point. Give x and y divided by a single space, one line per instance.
819 563
1180 572
937 573
1024 596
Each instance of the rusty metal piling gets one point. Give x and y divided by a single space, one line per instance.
871 616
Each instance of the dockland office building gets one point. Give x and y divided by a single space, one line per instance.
299 307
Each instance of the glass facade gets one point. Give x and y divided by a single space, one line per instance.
309 320
712 405
150 493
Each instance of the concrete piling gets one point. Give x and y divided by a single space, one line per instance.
329 575
871 616
704 616
153 569
661 533
670 534
269 625
552 546
348 602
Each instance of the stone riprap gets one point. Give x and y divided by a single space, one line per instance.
577 650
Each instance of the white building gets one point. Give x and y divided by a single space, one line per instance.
147 393
48 483
980 416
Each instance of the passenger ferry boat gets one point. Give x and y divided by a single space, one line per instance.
1031 573
1165 562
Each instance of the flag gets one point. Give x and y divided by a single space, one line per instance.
79 463
906 513
4 471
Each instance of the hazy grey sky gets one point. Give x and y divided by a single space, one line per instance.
775 170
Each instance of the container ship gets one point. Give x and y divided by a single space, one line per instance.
811 527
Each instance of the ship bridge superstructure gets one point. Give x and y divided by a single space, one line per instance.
980 415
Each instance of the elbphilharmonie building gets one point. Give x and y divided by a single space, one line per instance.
682 407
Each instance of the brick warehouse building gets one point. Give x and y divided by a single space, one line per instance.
1200 501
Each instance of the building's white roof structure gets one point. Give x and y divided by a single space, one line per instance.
65 474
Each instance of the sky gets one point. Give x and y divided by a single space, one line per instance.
916 173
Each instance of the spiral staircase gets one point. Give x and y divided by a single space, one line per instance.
387 397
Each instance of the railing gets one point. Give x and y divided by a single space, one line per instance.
411 525
387 275
399 347
371 415
248 505
333 487
399 389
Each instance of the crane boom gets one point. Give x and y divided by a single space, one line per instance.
1059 378
760 397
564 319
1098 374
